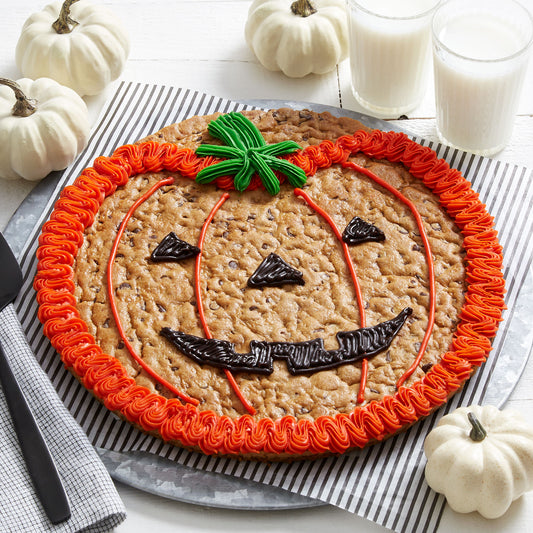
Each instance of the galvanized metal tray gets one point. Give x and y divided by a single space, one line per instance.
169 479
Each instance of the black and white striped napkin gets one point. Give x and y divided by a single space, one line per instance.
384 483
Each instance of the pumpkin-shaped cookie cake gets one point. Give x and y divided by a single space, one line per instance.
277 284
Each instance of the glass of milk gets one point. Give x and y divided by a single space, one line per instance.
390 44
480 56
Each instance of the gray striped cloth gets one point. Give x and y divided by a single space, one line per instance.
383 483
94 502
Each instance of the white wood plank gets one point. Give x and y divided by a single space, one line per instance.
235 80
193 30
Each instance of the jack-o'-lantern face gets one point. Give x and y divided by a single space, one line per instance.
254 301
302 357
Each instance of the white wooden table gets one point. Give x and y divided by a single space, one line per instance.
199 44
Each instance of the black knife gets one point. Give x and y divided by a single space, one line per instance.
39 462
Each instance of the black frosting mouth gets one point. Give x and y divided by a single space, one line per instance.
301 357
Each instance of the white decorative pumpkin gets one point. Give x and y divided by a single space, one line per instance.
78 44
43 127
298 37
481 459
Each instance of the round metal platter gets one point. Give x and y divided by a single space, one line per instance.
169 479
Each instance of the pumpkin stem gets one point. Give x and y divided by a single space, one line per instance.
303 8
61 25
478 432
24 106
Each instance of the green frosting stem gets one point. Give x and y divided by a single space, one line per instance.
227 135
269 179
281 148
295 175
244 176
218 151
248 126
246 153
224 168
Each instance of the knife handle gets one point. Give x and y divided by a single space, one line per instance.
38 460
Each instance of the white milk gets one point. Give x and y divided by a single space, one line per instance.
477 99
389 49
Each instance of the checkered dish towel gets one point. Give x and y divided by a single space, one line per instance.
94 501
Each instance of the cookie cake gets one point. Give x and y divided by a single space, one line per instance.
272 285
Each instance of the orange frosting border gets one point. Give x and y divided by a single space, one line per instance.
63 234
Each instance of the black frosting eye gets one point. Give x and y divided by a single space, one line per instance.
358 231
171 248
274 271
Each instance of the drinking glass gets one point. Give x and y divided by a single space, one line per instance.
480 56
390 53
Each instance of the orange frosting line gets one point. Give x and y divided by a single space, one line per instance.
345 249
362 384
429 259
214 434
112 301
325 215
199 300
198 264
